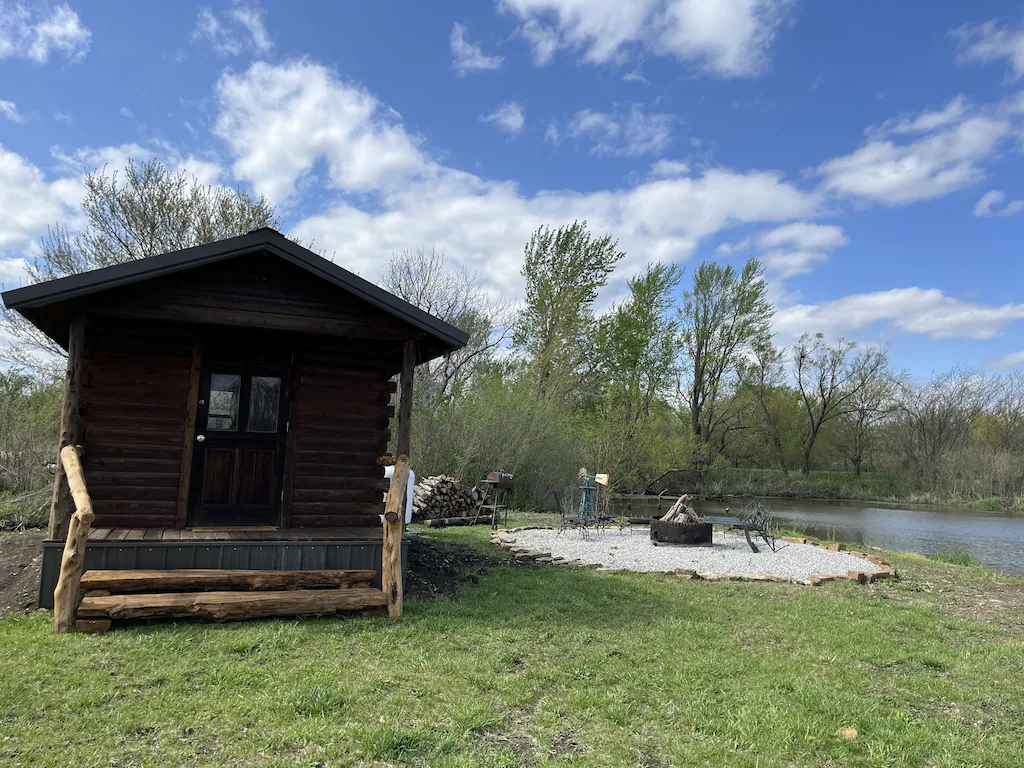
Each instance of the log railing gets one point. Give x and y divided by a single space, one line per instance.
394 520
65 596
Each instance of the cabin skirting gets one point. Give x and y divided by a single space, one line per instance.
271 555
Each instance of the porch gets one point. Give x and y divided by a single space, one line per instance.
264 533
286 549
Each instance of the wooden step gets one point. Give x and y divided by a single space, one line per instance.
225 606
198 579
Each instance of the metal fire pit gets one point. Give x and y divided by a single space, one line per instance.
693 534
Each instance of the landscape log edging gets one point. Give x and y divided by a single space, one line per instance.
505 539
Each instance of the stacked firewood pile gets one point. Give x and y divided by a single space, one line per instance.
681 511
444 497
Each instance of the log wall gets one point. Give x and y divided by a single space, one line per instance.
134 398
135 395
341 426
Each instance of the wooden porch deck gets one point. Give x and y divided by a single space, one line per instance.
352 533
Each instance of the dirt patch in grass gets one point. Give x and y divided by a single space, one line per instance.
21 558
438 569
963 591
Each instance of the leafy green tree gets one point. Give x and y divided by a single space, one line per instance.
765 377
564 270
637 351
144 211
724 316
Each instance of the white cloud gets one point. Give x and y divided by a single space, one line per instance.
1010 362
803 234
83 160
668 169
35 31
991 41
484 224
279 121
947 157
727 249
29 203
544 41
509 118
625 133
727 38
552 134
901 310
13 272
240 29
797 248
10 110
985 207
283 121
925 122
469 57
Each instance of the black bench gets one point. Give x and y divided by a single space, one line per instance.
758 522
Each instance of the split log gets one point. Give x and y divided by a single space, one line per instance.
443 496
681 512
196 579
228 606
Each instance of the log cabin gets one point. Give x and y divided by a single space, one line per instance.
232 403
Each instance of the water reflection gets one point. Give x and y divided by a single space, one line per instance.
996 540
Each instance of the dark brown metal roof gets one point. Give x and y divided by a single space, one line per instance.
32 300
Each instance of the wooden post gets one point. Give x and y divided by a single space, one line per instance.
61 505
394 520
65 596
192 405
405 406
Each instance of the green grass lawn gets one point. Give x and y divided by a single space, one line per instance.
557 665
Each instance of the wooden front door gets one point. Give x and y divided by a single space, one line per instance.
238 455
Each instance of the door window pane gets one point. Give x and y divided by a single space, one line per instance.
264 403
224 395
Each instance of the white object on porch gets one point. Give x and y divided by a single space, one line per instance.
388 474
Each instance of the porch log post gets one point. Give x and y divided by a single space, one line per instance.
394 520
65 596
188 438
405 405
61 504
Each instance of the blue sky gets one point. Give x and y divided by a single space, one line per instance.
870 153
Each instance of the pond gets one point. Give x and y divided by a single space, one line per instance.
994 539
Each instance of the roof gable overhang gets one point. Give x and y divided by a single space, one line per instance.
33 300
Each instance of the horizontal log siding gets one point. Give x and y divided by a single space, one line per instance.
134 400
341 427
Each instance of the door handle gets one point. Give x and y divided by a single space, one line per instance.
200 438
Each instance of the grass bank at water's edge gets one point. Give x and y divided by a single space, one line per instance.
836 485
552 666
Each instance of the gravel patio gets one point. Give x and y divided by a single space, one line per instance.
729 554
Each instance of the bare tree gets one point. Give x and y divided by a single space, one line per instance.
829 378
426 279
871 404
143 211
936 419
1008 410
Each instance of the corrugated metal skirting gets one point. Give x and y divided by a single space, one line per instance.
259 555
